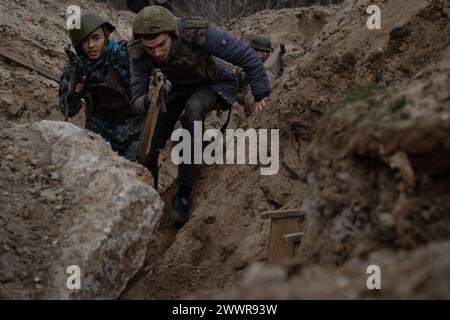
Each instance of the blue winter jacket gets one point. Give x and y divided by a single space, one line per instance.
219 44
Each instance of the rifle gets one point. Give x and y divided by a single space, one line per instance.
162 88
77 71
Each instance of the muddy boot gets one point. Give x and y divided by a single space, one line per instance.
180 205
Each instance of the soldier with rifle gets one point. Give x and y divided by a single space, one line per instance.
193 55
98 73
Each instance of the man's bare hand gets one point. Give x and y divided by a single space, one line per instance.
79 87
259 106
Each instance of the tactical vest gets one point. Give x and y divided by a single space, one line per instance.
186 66
108 98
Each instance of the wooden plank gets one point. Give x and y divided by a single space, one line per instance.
20 60
279 249
282 214
293 237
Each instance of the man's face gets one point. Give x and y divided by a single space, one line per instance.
94 44
263 55
159 48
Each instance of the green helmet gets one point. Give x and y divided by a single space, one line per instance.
260 42
89 22
154 20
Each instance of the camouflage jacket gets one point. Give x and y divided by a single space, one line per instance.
118 131
116 55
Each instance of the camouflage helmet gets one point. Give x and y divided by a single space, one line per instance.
260 42
154 20
89 22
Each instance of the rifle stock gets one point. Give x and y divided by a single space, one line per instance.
150 122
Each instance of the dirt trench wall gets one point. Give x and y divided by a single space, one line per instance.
377 182
378 167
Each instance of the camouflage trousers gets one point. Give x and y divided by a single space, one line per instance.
123 135
191 105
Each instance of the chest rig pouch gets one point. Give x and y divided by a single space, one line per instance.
108 98
187 66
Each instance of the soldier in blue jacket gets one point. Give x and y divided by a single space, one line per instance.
104 84
192 55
